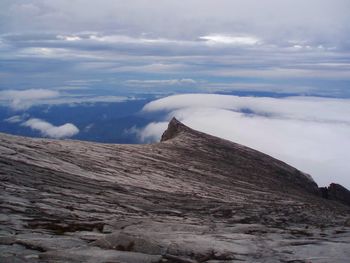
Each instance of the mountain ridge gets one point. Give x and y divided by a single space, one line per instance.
192 197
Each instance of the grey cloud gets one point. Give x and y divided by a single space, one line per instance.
161 82
283 73
303 43
322 19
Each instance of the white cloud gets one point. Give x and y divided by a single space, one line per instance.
312 134
151 133
115 39
69 37
22 99
303 108
89 127
231 40
48 130
80 99
45 128
15 119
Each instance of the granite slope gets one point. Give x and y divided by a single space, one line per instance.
190 198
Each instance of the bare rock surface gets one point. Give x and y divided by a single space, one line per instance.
191 198
336 192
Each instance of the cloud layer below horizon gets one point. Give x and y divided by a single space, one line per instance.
48 130
311 134
45 128
21 100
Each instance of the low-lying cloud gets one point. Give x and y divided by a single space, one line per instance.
16 118
24 99
48 130
311 134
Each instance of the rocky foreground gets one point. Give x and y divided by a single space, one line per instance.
191 198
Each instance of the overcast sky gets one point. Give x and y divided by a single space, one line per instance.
289 46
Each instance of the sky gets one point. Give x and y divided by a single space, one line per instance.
62 52
289 46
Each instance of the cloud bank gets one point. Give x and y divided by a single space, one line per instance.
48 130
316 18
311 134
24 99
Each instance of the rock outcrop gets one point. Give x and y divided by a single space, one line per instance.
191 198
336 192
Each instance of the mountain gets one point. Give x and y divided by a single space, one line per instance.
190 198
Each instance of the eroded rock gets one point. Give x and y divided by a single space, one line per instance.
191 198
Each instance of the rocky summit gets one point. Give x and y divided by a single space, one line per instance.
190 198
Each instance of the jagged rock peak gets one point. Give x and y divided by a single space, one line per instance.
174 128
